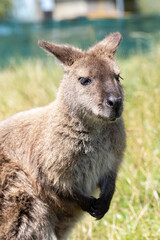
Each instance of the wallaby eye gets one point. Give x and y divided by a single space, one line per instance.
85 80
118 77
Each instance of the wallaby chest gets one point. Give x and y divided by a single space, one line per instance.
96 159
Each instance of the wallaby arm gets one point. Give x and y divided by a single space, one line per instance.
107 188
84 201
95 207
107 184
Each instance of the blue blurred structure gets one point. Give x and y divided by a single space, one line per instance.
19 40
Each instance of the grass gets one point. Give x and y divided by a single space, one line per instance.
135 209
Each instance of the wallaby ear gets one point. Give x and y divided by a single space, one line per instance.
108 46
66 54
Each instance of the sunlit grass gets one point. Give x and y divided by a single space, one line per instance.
30 84
135 209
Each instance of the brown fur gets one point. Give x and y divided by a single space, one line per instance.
53 158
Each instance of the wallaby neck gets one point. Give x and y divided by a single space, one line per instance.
77 118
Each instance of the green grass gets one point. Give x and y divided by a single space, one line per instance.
135 209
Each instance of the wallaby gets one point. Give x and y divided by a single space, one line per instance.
53 158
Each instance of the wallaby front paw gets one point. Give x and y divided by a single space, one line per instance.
88 203
100 207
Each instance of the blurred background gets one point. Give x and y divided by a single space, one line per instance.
30 78
77 22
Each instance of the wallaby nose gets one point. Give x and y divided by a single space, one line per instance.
114 102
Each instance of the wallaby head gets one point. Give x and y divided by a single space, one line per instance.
91 83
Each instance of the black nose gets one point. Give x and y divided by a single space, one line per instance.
114 102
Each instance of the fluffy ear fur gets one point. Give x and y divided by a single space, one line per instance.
66 54
108 46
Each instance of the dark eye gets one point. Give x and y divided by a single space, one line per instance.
85 80
118 77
